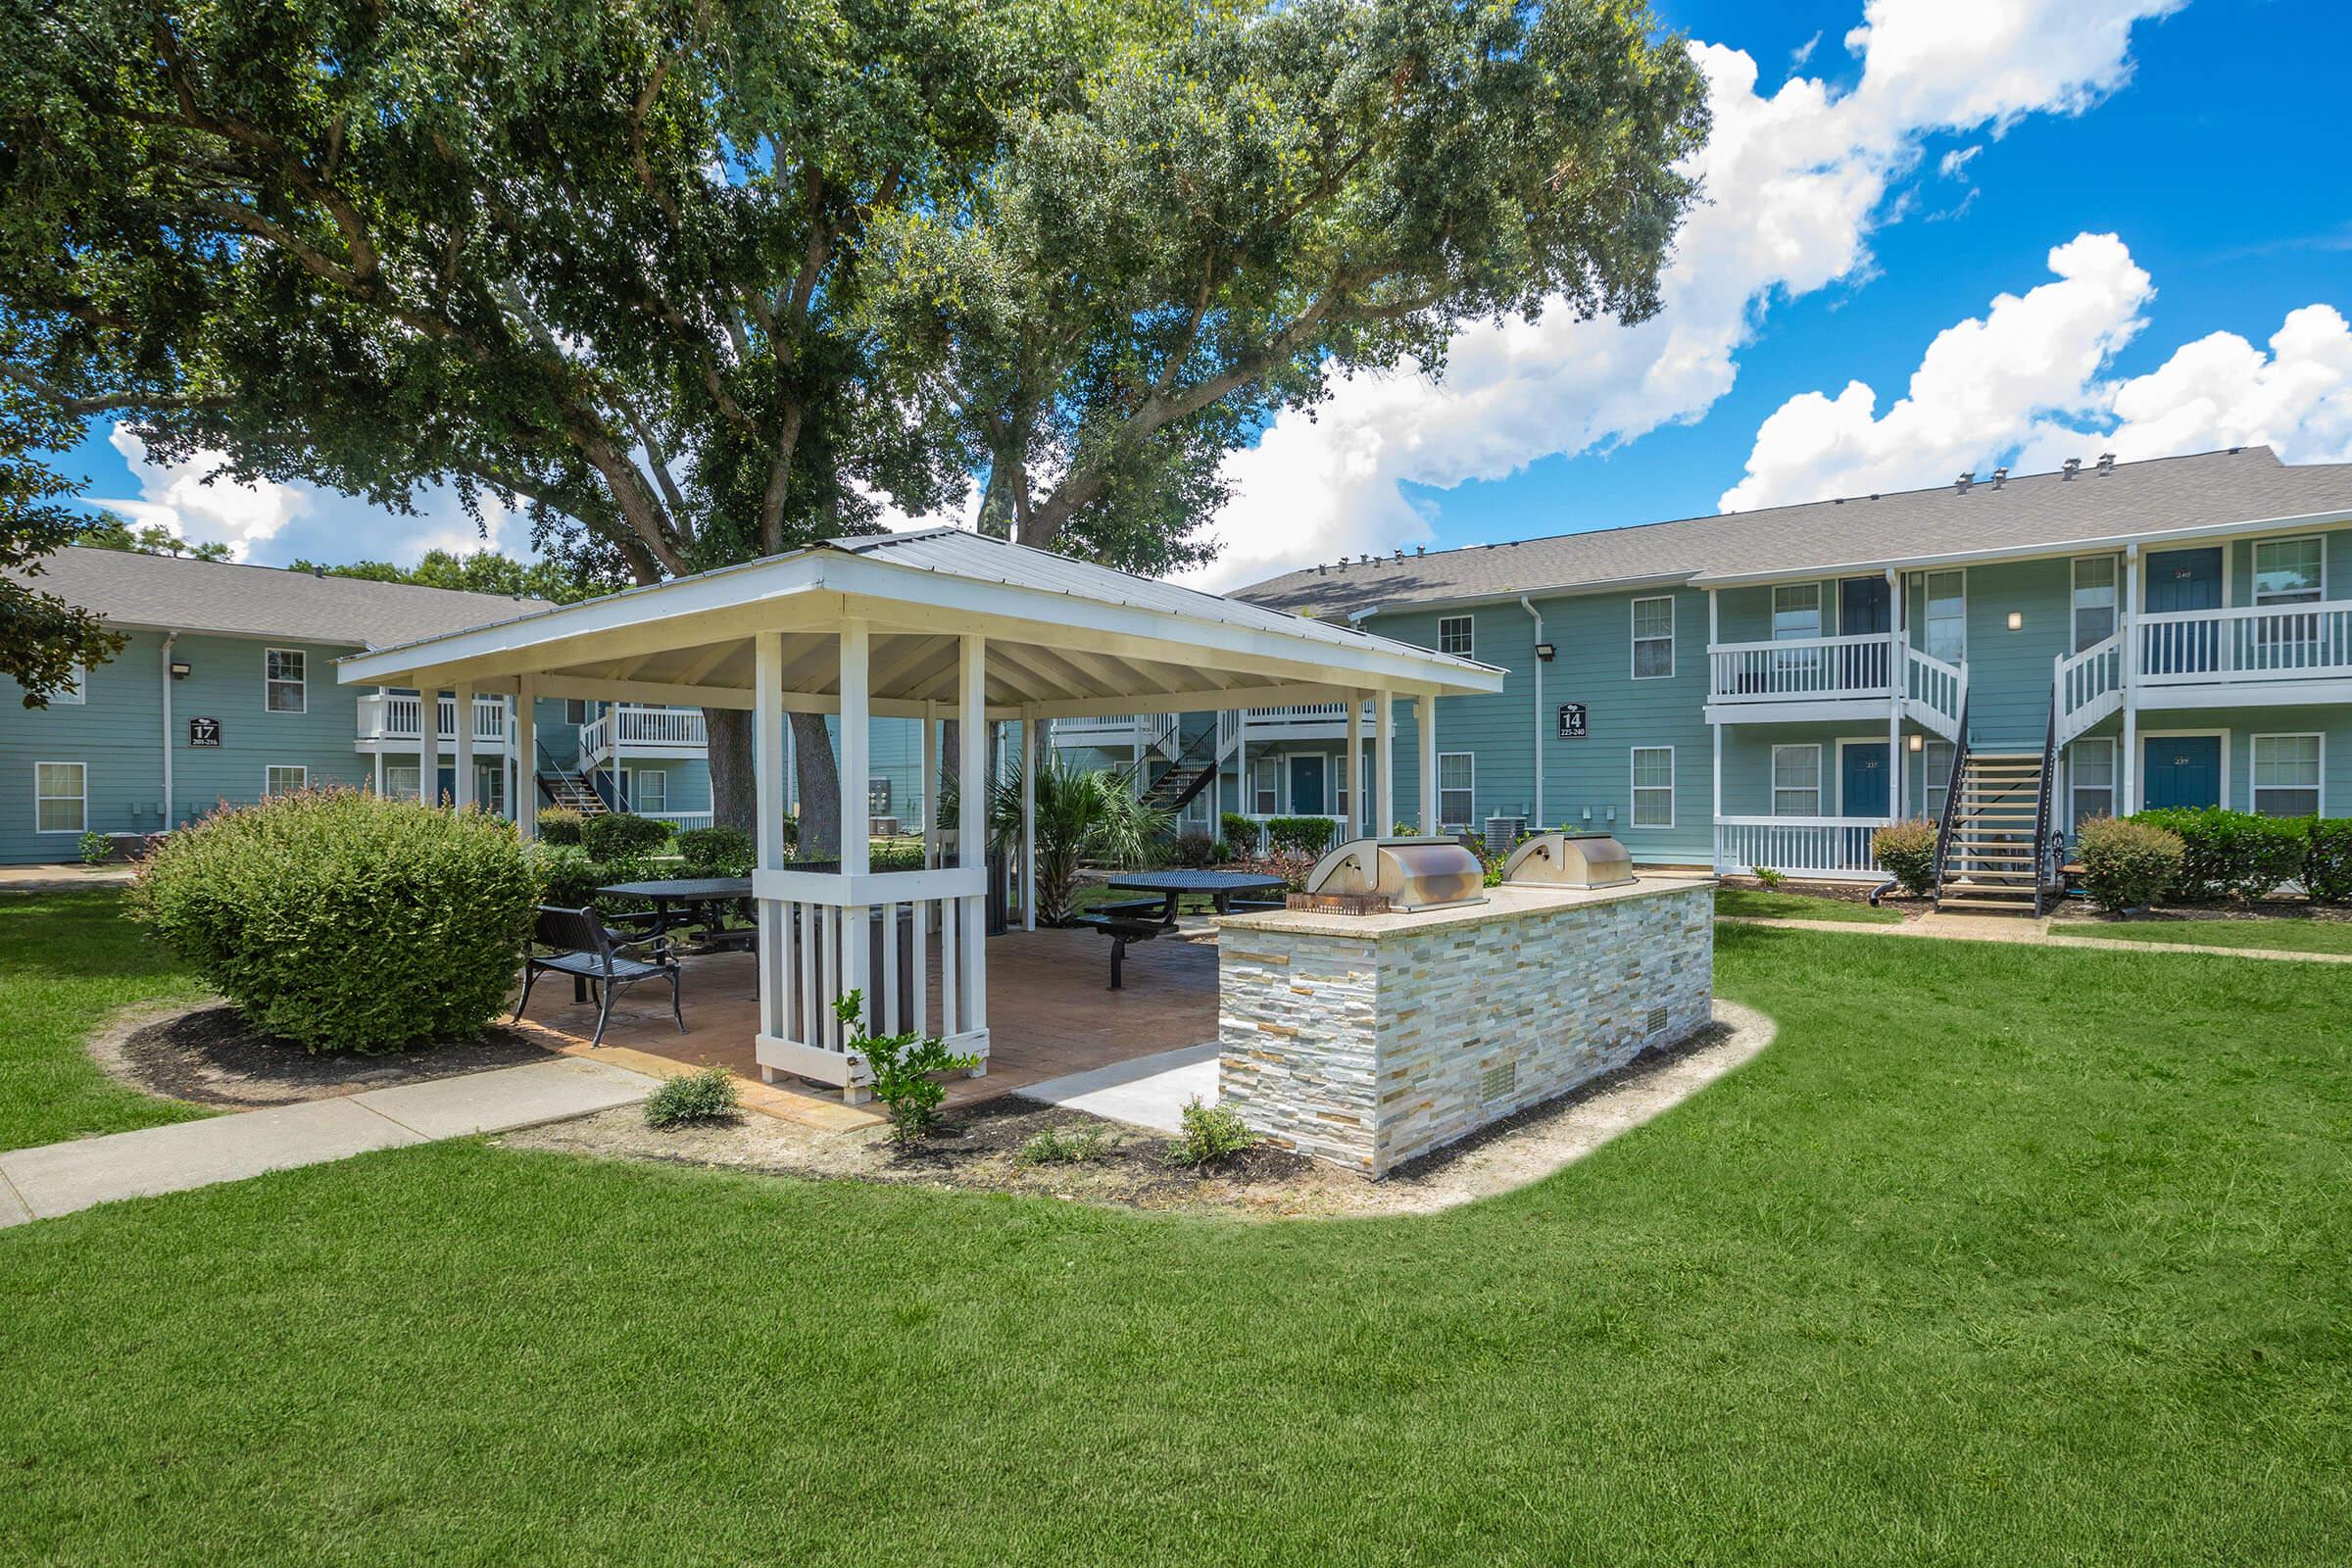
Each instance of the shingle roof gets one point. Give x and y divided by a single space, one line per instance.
2028 512
132 589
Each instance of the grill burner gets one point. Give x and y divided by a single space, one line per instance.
1410 873
1569 861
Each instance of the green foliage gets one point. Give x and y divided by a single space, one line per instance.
2231 854
96 849
1291 866
720 850
623 835
1076 1145
902 1066
561 824
1770 879
1239 831
1908 849
1081 818
110 531
2327 864
483 572
344 920
1195 851
1309 834
1211 1132
42 637
705 1095
566 874
2129 863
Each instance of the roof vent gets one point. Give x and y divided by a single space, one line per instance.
1322 569
2001 477
1962 484
319 573
2106 463
2070 468
1419 550
1400 553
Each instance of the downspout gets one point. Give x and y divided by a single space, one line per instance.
169 638
1538 616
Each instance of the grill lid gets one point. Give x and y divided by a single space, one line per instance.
1411 873
1569 860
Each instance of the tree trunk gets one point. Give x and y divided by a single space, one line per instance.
734 792
821 787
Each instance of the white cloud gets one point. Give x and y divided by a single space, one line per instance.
1795 183
1952 165
1803 51
2029 379
181 498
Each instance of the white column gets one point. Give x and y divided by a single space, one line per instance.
524 736
1029 818
1241 767
1425 720
1384 763
1714 636
428 746
930 767
1136 743
1897 774
379 768
620 776
768 844
1715 829
464 700
971 825
857 851
2129 652
1356 764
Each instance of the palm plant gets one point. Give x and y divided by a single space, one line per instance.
1081 816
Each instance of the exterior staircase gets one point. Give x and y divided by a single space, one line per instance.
1175 789
565 788
1996 823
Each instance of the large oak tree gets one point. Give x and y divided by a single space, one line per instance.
693 282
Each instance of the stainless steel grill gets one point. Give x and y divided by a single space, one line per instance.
1569 861
1410 873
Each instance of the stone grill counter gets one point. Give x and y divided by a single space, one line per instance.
1369 1040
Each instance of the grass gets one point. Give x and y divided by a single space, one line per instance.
2001 1254
1756 903
66 961
2290 935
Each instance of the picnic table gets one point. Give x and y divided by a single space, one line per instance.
1222 886
684 902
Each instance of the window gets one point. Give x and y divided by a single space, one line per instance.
1653 638
2290 571
1458 774
1796 781
284 681
1938 762
649 791
285 779
1266 785
490 788
2287 775
1796 610
401 780
1346 795
1653 786
2091 779
2094 599
575 710
60 798
1947 616
77 684
1454 635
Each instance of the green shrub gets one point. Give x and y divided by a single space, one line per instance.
902 1066
566 875
708 1094
1310 835
346 921
619 835
96 849
2327 859
1081 1146
1908 849
2231 854
896 858
720 850
2128 864
1239 831
1769 878
1211 1134
561 824
1195 851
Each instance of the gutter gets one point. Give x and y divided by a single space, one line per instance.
170 637
1538 616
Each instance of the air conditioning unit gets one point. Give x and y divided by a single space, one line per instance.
1503 833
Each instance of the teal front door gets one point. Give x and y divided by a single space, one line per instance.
1864 791
2181 771
1306 786
2181 580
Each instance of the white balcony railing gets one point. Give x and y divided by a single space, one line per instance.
1836 847
1801 668
2263 643
2087 686
391 716
661 729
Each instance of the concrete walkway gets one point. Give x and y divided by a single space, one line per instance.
1146 1092
60 1178
2030 932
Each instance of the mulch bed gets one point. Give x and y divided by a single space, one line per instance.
210 1056
2083 910
980 1148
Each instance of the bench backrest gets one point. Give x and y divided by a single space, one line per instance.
574 931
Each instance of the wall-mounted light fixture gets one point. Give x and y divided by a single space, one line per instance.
2017 621
182 672
1544 651
1919 742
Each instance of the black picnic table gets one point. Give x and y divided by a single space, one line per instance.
698 900
1222 886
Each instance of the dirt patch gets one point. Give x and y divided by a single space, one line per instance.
981 1152
2083 912
1902 904
210 1056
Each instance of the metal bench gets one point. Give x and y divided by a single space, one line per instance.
1121 931
586 954
1131 908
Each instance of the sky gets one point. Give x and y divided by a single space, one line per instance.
1937 236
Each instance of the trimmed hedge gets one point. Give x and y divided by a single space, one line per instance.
618 835
561 824
1239 831
2328 862
1908 849
2232 854
720 850
1308 835
2128 864
345 920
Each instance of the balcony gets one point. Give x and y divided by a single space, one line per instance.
389 722
1832 848
2266 656
1831 677
644 732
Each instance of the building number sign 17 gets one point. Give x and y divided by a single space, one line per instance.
204 732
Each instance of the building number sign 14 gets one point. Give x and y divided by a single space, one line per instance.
1572 721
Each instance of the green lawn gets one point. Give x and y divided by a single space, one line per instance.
2279 936
68 959
2000 1255
1756 903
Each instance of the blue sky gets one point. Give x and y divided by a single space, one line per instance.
2211 143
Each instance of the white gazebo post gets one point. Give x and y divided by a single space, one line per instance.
620 799
463 698
1029 816
1241 772
776 976
523 736
1425 721
428 746
857 848
1354 778
1384 763
971 848
1898 676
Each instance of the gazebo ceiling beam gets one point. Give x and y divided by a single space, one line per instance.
1206 701
1043 682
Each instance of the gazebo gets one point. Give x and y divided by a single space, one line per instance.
932 625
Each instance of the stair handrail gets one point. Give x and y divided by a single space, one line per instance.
1952 798
2082 678
2042 809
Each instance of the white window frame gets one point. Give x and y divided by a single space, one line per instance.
1775 780
415 785
76 691
2296 597
1342 788
1468 820
270 769
633 781
1926 614
1634 628
2112 789
1634 779
1774 616
1929 789
2254 784
1469 630
2073 599
1263 768
82 772
301 683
